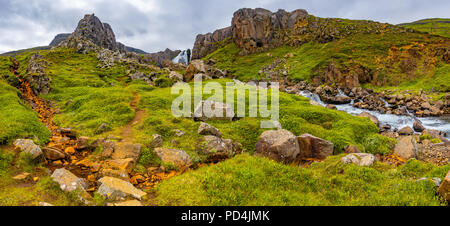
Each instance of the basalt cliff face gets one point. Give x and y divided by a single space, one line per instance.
208 43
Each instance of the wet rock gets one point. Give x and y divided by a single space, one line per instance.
406 131
314 103
117 189
116 173
206 129
418 127
29 147
212 110
351 149
157 141
280 145
360 159
127 150
119 164
69 132
216 148
108 148
178 158
82 143
444 189
314 147
385 128
371 117
53 154
331 106
406 147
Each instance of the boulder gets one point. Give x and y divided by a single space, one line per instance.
53 154
127 150
406 147
217 148
28 146
176 76
371 117
68 181
406 131
195 67
351 149
279 145
178 158
119 164
69 132
444 189
206 129
360 159
82 143
116 173
157 141
314 147
116 189
331 106
418 127
212 110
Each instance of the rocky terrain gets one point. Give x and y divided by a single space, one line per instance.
89 122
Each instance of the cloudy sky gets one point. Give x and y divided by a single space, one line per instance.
153 25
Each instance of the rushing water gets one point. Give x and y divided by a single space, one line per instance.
181 58
396 121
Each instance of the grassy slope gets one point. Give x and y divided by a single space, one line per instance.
17 119
248 180
436 26
382 54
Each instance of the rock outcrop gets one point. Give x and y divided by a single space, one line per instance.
59 38
444 189
208 43
160 57
91 29
28 146
260 28
116 189
177 158
37 75
360 159
312 147
217 149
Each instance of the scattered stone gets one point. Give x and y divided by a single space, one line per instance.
176 76
406 147
212 110
69 132
29 147
108 148
351 149
127 150
53 154
444 189
178 132
360 159
157 141
119 164
178 158
117 189
126 203
44 204
406 131
82 143
22 176
331 106
371 117
70 150
280 145
206 129
68 181
217 149
314 147
116 173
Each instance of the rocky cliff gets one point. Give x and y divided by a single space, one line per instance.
91 29
161 56
207 43
59 38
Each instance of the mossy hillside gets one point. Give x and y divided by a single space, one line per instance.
251 181
436 26
296 115
391 58
17 119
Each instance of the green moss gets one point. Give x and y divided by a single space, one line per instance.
247 180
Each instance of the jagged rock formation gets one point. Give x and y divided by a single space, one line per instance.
161 56
91 29
37 76
260 28
207 43
59 38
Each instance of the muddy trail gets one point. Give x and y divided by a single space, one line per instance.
74 154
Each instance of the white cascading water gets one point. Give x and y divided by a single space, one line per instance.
181 58
396 121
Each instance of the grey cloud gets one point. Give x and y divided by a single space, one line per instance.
154 25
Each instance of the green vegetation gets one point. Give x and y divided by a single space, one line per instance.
436 26
17 119
248 180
